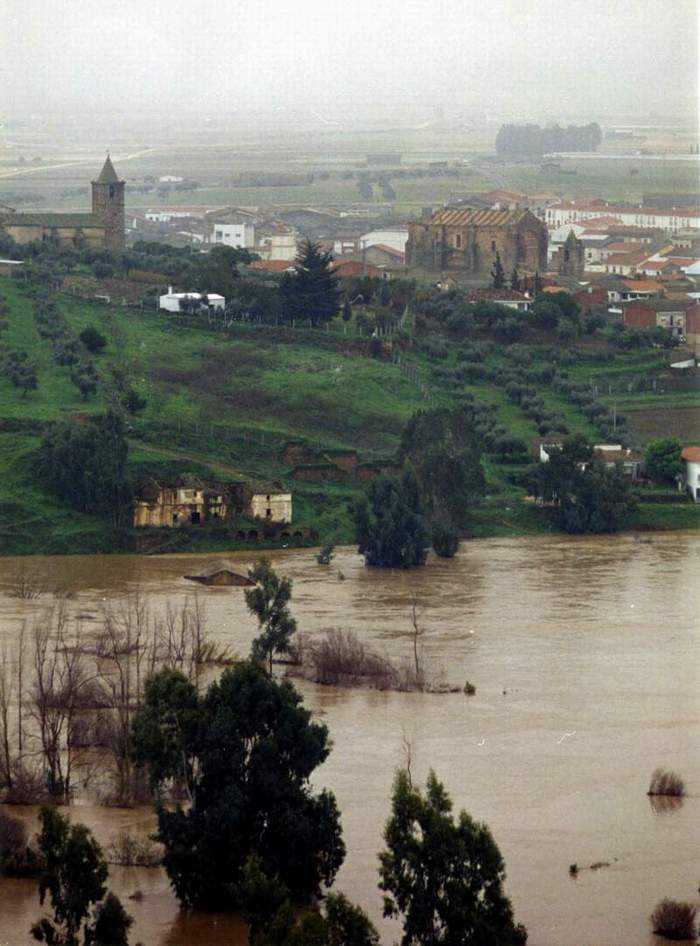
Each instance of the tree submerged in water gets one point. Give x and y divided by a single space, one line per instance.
389 525
254 826
73 875
268 601
443 878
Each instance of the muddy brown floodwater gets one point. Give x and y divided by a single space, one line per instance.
585 656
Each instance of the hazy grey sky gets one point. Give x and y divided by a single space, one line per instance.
518 56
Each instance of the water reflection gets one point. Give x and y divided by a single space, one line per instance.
665 804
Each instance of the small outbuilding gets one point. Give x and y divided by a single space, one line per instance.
691 458
177 301
222 575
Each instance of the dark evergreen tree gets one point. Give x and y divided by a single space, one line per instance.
347 310
253 827
586 495
444 450
515 280
341 924
498 276
311 291
445 537
112 924
85 464
389 525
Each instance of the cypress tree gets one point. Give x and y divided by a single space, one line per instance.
498 274
312 291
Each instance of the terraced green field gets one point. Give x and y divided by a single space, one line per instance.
228 401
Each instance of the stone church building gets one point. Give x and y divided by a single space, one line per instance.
467 240
103 227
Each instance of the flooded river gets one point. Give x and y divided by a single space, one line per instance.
586 658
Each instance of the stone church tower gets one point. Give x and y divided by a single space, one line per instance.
571 257
108 205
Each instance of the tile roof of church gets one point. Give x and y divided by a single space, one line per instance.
468 217
49 219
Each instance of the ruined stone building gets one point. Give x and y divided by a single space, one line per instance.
103 227
189 501
467 241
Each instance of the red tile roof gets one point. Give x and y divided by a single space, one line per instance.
691 454
352 267
619 246
272 265
469 217
387 249
625 259
657 264
643 285
496 295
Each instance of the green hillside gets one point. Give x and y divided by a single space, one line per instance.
226 401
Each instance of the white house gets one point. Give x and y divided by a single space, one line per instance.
170 179
171 300
573 211
240 235
691 455
609 453
277 242
165 216
395 237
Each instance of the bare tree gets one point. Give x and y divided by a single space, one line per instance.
56 695
416 635
7 759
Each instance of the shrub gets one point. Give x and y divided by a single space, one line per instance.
16 858
664 782
93 340
469 689
674 920
342 657
470 371
131 851
445 539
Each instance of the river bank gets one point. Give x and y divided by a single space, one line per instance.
585 655
60 531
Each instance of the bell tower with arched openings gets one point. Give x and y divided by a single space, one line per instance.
108 205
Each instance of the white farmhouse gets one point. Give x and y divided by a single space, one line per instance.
395 237
171 300
691 456
240 235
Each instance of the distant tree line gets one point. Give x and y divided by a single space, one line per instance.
535 140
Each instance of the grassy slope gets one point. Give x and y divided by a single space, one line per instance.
229 402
